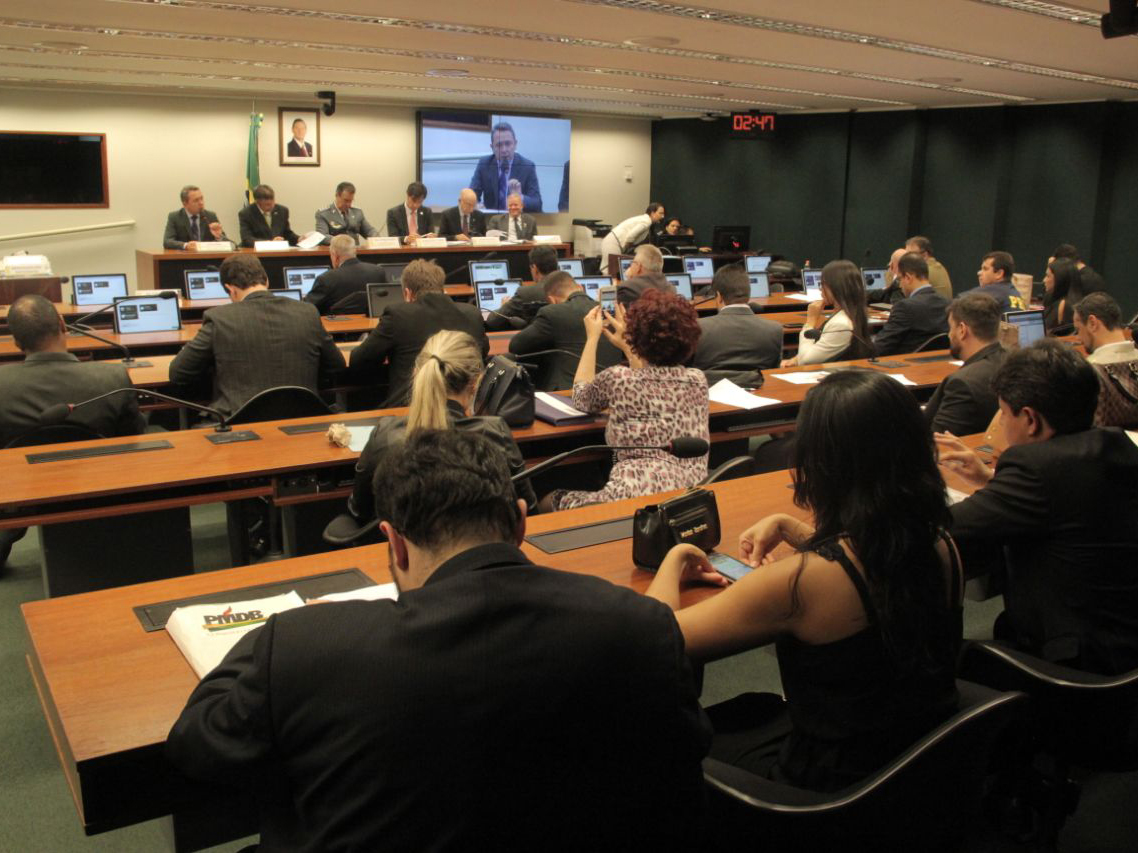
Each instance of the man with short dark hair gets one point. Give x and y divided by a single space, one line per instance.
264 219
630 233
646 272
938 275
522 307
1060 508
1092 282
258 341
1098 323
341 218
736 343
505 172
497 705
192 223
560 325
964 402
405 327
411 220
995 277
348 275
917 317
464 220
298 146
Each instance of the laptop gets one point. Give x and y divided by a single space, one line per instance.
812 283
758 263
574 266
288 293
593 285
136 314
97 289
380 295
394 271
625 263
1030 325
303 278
701 270
681 281
491 295
875 279
204 284
488 271
760 284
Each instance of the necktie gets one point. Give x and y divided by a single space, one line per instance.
466 223
503 180
195 233
269 218
513 235
412 223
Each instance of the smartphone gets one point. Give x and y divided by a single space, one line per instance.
607 296
729 567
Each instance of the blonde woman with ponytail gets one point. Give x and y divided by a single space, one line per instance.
445 379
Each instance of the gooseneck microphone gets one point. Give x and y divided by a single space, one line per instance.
164 294
683 447
60 411
815 334
127 358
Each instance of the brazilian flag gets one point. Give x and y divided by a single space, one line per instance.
252 167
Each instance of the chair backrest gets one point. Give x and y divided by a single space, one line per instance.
285 401
738 466
924 799
935 342
1060 331
54 434
353 303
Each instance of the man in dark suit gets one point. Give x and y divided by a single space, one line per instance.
516 225
348 275
192 223
494 696
298 146
410 221
522 307
504 172
50 375
264 219
405 327
341 218
561 326
736 343
917 317
964 402
464 220
1059 509
257 342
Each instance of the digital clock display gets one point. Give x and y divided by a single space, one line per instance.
752 125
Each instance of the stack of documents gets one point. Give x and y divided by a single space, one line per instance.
557 411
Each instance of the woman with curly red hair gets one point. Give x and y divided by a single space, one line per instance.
651 401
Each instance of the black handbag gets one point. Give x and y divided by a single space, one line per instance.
689 519
506 390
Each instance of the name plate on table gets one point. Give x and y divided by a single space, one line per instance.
431 243
382 243
485 241
271 246
547 238
214 246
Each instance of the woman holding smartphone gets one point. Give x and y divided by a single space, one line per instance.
864 611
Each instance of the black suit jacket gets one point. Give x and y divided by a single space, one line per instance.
177 233
352 276
258 343
47 378
562 326
401 333
1064 511
294 150
964 402
397 221
501 706
737 344
913 321
254 227
451 224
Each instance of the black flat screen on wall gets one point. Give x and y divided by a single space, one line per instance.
53 170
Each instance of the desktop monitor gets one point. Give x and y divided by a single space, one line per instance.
681 281
204 284
875 279
731 238
593 285
491 295
288 293
757 263
701 270
1030 325
760 284
97 289
380 295
625 263
135 314
488 271
574 266
812 283
303 277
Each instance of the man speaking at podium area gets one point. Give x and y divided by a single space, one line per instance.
497 705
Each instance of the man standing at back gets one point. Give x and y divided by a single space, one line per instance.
405 327
348 275
964 402
257 342
520 309
938 275
192 223
917 317
498 705
736 343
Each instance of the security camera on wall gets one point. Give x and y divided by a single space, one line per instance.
330 107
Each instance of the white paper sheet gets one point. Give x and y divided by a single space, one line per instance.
360 435
729 394
900 377
801 297
559 403
955 496
364 593
310 240
805 377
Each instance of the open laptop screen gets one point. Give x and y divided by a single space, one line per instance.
812 283
380 295
574 266
204 284
593 285
758 263
488 271
288 293
146 314
875 279
491 295
302 278
681 281
760 285
98 289
701 270
625 263
1030 325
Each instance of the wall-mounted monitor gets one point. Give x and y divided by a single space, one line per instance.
41 169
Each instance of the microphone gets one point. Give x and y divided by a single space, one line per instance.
164 294
683 447
60 411
515 322
814 334
127 358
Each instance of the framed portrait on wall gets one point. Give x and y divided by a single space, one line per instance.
299 136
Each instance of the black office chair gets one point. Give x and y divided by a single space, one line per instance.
353 303
54 434
935 342
732 469
344 531
922 800
284 401
1060 331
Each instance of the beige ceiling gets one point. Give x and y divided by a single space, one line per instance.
626 57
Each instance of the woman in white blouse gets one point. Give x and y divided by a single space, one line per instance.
844 288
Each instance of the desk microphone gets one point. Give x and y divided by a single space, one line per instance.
815 334
683 447
515 322
164 294
517 357
60 411
127 358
